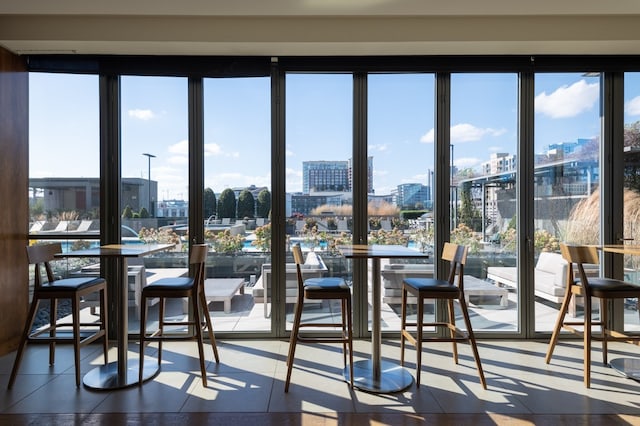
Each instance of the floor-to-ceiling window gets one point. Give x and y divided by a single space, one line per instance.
566 181
631 155
154 179
64 153
483 157
400 152
237 201
64 167
319 134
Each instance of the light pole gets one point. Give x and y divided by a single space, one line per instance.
149 157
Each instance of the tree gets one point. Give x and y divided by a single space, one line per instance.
227 204
127 213
246 204
209 203
143 213
468 214
632 134
264 203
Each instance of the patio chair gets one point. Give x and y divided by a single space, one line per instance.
449 290
179 287
62 226
48 287
37 226
84 226
588 286
321 288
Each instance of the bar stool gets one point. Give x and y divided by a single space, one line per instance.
433 288
603 288
179 287
52 289
322 288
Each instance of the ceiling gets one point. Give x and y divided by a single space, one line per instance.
320 27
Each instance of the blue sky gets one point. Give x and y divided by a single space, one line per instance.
64 133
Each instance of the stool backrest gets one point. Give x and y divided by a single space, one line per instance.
198 258
456 255
40 255
579 255
299 260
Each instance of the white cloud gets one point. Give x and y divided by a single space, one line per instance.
464 132
212 149
568 101
141 114
428 137
633 106
216 150
378 147
181 147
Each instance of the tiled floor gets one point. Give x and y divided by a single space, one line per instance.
247 387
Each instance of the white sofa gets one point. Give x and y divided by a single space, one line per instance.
313 266
550 276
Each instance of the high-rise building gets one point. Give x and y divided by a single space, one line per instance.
409 195
329 176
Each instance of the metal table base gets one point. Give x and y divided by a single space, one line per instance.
393 377
105 377
629 367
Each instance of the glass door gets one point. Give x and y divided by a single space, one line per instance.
566 182
400 162
631 234
237 201
483 155
319 123
154 182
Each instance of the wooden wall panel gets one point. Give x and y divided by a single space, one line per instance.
14 207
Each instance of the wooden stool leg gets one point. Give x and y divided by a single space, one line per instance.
143 333
419 322
604 318
53 317
559 321
452 328
350 337
472 341
198 330
207 317
587 341
23 341
161 306
75 313
293 341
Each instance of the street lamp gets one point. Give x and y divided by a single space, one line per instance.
149 156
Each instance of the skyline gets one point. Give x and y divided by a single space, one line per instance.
318 124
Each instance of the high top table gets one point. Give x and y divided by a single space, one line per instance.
115 375
376 375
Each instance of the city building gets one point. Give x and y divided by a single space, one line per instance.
413 195
327 176
82 195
